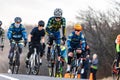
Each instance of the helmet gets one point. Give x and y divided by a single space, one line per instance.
78 27
18 19
118 39
0 23
41 23
118 36
58 12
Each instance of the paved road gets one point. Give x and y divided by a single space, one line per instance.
6 76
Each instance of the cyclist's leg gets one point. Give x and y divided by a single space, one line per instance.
11 52
31 50
70 56
20 46
39 51
58 41
50 42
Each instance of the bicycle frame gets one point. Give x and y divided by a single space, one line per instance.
34 63
77 66
115 72
15 66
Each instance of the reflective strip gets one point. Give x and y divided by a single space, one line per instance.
62 48
94 67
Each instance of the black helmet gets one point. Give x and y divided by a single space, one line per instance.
0 23
18 19
41 23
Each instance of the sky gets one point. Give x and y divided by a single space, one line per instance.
31 11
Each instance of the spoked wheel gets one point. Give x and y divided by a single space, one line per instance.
115 72
35 70
51 70
12 67
28 69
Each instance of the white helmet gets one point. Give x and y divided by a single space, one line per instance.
58 12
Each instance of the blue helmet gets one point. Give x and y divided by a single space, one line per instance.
18 19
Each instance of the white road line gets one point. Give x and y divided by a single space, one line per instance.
11 78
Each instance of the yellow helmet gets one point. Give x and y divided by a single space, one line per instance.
78 27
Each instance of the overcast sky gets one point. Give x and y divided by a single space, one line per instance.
31 11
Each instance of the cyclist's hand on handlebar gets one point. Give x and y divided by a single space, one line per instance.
29 44
10 40
25 43
64 38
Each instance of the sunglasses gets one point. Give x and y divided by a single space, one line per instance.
77 30
58 17
41 25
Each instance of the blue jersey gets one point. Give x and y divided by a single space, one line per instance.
17 33
75 41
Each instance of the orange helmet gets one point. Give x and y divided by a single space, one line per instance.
118 38
78 27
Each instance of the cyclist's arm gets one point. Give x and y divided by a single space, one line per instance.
69 40
43 37
63 26
9 33
83 41
118 47
29 37
24 33
49 25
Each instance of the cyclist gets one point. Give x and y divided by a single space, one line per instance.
118 49
36 40
76 41
53 29
16 33
2 36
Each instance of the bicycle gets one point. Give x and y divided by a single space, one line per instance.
15 61
77 67
56 68
115 72
33 64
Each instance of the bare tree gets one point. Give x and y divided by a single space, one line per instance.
100 29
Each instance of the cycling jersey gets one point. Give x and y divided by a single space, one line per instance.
36 35
75 41
17 33
54 26
118 48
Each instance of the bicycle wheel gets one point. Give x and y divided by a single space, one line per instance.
12 67
51 70
28 68
35 70
118 76
114 71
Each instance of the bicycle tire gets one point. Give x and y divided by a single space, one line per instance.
114 71
36 66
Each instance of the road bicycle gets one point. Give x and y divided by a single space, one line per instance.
56 67
77 67
115 72
34 63
16 60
